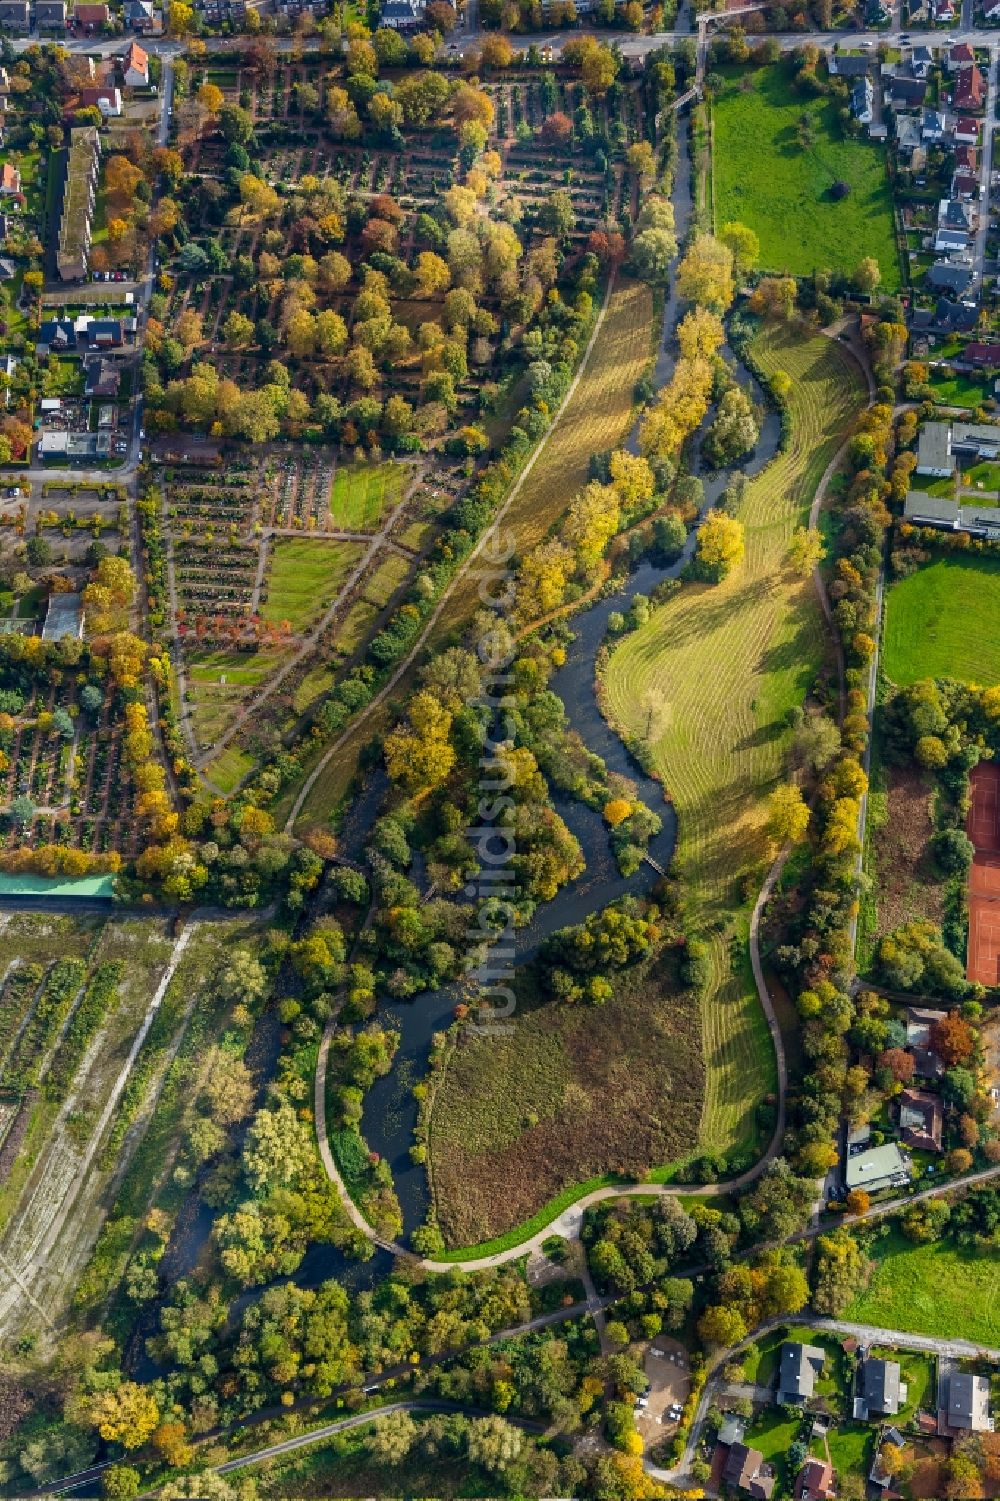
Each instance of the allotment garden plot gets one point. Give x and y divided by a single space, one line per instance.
278 570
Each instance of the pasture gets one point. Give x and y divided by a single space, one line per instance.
927 631
724 663
937 1289
775 176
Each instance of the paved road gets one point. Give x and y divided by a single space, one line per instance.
985 168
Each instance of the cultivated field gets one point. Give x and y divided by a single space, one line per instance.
726 662
927 615
766 179
565 1094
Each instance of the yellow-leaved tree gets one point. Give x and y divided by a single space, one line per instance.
720 546
420 756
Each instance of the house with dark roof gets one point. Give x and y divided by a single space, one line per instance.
863 100
950 276
106 97
966 159
951 516
963 1401
50 15
746 1471
814 1481
949 241
966 131
15 15
879 1389
960 56
849 65
933 126
141 17
921 1120
982 356
907 93
921 61
920 1019
402 15
55 335
970 89
102 377
798 1369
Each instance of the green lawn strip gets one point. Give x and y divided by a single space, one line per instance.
361 493
927 622
525 1231
305 576
772 1433
240 669
956 390
937 1289
229 768
852 1448
765 179
985 474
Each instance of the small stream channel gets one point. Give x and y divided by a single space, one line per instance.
390 1110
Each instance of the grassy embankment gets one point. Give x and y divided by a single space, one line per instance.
725 663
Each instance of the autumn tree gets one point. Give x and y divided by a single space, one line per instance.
953 1039
720 546
743 243
788 815
128 1415
705 274
421 756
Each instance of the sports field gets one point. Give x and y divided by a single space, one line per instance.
727 662
776 176
927 623
305 577
362 493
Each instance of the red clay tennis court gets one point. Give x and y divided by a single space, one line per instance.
983 827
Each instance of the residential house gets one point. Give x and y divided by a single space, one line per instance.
963 1401
798 1369
90 18
107 99
951 242
941 11
141 17
79 198
402 15
849 65
732 1430
907 93
965 187
877 1168
746 1471
955 215
8 268
814 1481
933 125
863 101
15 15
921 61
981 442
947 276
10 180
921 1120
50 15
966 131
102 377
880 1475
992 10
135 67
962 55
55 336
105 333
966 159
8 368
982 356
880 1390
970 89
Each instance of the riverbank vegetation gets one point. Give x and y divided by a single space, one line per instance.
727 664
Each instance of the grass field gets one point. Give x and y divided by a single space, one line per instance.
937 1289
229 768
764 178
388 576
927 619
566 1093
363 492
956 390
724 664
306 575
597 416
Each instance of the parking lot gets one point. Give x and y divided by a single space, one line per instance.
669 1380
